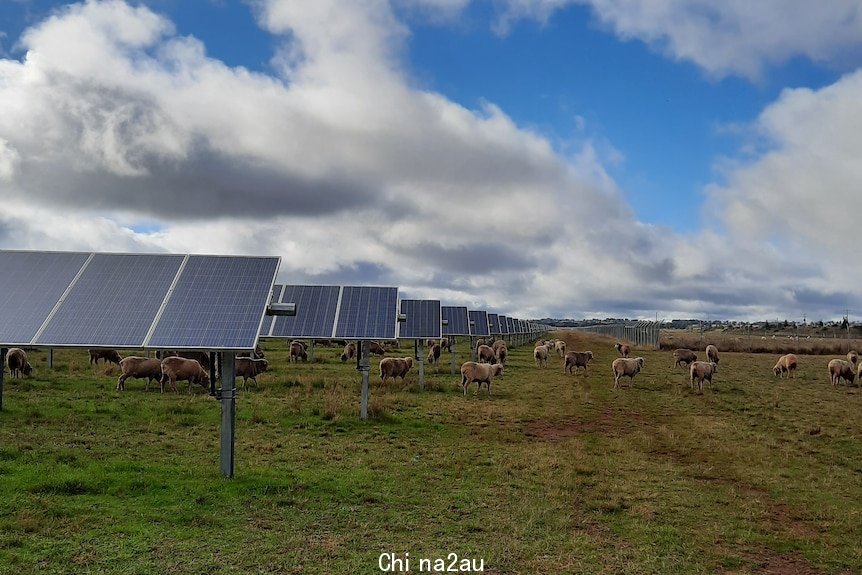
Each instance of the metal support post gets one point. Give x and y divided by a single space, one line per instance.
311 352
228 413
50 358
363 364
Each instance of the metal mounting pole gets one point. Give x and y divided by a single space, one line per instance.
419 349
228 413
50 358
363 364
311 352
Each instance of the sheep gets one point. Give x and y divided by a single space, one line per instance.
702 370
349 352
712 354
560 346
576 359
446 343
852 357
498 344
541 355
247 367
16 361
139 368
376 348
486 355
108 355
434 353
502 354
627 366
201 357
297 351
395 367
480 373
786 364
683 356
840 369
183 369
622 349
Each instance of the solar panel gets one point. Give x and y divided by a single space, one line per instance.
457 322
30 287
316 307
494 323
504 324
367 313
268 320
113 302
423 319
227 314
478 323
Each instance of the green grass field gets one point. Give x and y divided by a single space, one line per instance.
552 474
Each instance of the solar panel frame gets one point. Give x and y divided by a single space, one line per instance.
316 309
423 319
29 293
494 324
478 323
456 320
229 317
113 301
377 306
510 324
504 325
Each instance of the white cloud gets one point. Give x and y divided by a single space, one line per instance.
728 37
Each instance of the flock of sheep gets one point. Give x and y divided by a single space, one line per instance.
491 358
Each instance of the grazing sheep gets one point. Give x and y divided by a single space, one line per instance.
349 352
852 357
541 355
683 356
712 354
560 347
201 357
248 367
376 348
622 349
139 368
576 359
486 355
16 361
183 369
107 355
434 353
786 364
480 373
395 367
392 344
702 370
297 351
627 366
502 354
840 369
498 344
446 343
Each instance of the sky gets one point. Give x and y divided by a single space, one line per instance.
538 158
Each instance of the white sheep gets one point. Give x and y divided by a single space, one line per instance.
702 370
852 357
840 369
540 354
622 349
626 366
786 364
486 355
480 373
560 346
712 353
395 367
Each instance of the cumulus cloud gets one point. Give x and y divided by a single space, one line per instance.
117 123
729 37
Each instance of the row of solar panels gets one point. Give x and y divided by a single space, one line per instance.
82 299
345 312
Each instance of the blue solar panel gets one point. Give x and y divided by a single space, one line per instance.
268 320
113 302
478 323
226 314
504 324
316 307
457 320
367 313
423 319
31 284
494 323
510 324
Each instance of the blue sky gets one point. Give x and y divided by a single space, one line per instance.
596 129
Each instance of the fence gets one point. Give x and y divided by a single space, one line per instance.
640 333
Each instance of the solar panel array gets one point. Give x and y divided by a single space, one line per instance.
316 309
494 324
74 299
367 313
479 323
456 320
423 319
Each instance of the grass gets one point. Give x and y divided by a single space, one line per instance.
552 474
